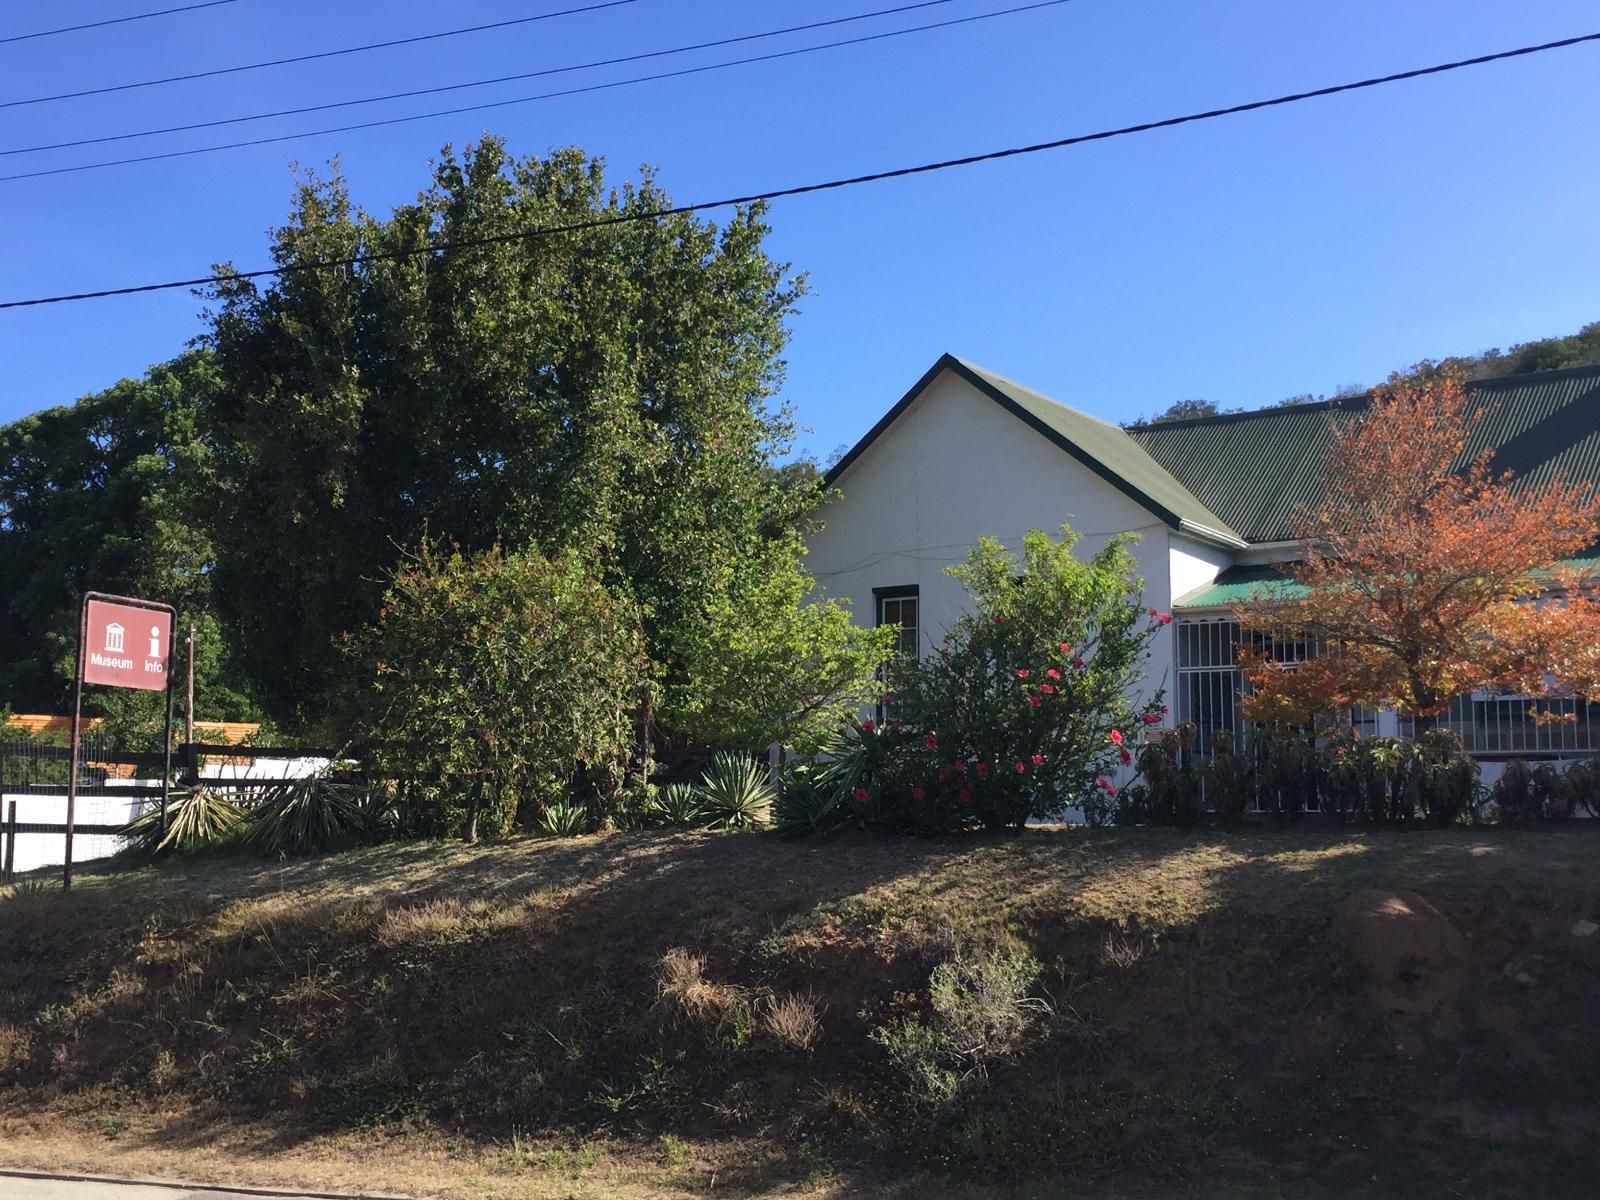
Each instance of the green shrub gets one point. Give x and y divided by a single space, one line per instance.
300 815
1024 711
501 676
736 793
979 1011
1228 778
196 817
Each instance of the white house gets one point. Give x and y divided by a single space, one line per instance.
967 453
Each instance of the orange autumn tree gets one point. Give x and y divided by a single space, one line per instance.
1426 573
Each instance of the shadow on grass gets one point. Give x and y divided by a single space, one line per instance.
1204 1021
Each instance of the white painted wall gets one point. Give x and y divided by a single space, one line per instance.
954 467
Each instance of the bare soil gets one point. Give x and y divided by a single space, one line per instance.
654 1015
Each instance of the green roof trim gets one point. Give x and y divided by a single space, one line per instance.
1238 585
1105 449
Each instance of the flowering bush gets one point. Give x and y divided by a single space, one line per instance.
1025 710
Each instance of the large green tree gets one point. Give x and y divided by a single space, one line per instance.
610 391
109 494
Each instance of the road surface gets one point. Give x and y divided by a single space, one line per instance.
15 1188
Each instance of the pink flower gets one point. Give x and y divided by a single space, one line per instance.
1035 701
1066 647
1022 672
1116 736
1164 618
1038 760
1052 673
1151 719
1164 710
918 794
1126 757
867 727
861 795
1049 689
1104 785
961 766
966 793
931 741
1078 663
983 770
1021 768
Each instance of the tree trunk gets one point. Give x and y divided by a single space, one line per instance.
473 805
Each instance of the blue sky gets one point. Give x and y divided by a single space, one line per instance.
1241 260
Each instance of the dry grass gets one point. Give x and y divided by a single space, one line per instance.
222 1018
792 1020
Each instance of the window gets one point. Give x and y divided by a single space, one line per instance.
898 606
1208 679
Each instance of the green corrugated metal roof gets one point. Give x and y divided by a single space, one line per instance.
1106 449
1239 584
1257 470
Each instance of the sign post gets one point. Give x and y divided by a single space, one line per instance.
122 642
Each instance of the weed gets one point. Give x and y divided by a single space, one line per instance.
365 1097
674 1150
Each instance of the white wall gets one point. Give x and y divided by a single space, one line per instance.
954 467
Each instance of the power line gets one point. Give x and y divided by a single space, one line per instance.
144 16
477 83
626 218
280 62
492 104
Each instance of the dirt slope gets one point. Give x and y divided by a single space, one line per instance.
492 1020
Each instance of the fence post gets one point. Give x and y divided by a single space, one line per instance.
11 843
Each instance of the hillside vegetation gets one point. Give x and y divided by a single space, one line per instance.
637 1014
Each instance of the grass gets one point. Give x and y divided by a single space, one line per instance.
652 1015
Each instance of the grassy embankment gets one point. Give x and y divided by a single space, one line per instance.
498 1020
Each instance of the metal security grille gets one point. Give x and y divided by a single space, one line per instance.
1208 679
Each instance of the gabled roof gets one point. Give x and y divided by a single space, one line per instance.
1256 470
1105 449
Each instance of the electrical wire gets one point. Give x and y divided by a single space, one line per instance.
626 218
299 58
477 83
144 16
492 104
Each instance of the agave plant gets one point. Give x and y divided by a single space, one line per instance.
679 804
808 802
737 794
309 813
196 816
564 819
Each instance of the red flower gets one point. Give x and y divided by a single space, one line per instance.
961 766
1116 736
1078 663
1022 672
1152 612
1038 760
867 726
983 769
1164 618
966 793
1035 701
1021 768
999 619
1104 785
918 794
897 724
1164 710
1052 673
1049 689
931 741
1151 719
861 795
1126 757
1066 647
944 775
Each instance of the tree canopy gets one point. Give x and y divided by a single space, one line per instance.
1426 573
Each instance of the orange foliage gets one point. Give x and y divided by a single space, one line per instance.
1428 573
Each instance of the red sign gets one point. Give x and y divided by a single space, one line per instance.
127 646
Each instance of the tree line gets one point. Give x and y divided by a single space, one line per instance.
607 400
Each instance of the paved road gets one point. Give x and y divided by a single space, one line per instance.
13 1188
